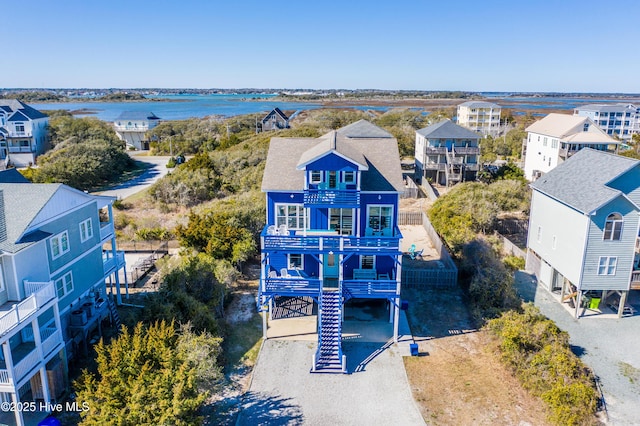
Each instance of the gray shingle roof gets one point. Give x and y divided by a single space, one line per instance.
137 115
581 181
365 142
277 111
13 105
480 104
446 129
332 142
22 203
363 129
608 107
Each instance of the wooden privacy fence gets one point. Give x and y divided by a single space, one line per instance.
510 248
431 193
411 189
410 218
444 276
423 278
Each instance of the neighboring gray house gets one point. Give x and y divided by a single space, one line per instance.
583 229
132 126
447 153
24 133
275 120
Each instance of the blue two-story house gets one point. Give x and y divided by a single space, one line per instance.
332 231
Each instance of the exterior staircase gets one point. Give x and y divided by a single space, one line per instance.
115 317
329 358
454 168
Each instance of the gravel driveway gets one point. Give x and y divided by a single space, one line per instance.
611 347
284 392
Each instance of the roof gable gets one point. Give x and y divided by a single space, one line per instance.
378 156
583 181
570 128
446 129
18 116
275 111
28 206
332 144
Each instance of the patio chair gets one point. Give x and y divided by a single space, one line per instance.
413 252
283 230
284 273
273 274
272 230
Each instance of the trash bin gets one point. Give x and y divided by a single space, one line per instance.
50 421
413 347
594 303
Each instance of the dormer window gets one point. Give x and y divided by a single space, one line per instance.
316 176
586 127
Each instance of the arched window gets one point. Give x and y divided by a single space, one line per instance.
613 227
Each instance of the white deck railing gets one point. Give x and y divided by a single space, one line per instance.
38 294
4 377
111 263
26 364
50 339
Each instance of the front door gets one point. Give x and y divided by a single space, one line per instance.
330 266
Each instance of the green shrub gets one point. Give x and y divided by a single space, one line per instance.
540 355
514 263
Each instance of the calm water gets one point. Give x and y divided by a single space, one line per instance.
180 107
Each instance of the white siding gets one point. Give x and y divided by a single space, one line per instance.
568 226
540 157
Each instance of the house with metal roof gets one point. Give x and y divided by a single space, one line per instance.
274 120
331 236
24 133
132 127
57 251
617 120
480 116
583 231
556 137
447 153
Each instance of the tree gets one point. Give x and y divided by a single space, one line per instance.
153 376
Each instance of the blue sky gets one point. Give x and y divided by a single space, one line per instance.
560 45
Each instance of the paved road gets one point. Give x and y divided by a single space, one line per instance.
157 169
610 346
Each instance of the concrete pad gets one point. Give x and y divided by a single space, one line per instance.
376 392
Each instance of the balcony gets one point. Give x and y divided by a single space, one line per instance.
299 286
466 150
110 263
19 149
331 198
39 294
106 230
23 134
373 288
436 149
131 128
322 240
27 356
435 166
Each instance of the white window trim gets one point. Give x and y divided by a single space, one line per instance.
65 292
348 173
614 222
88 228
605 263
289 266
299 206
58 238
314 181
362 256
369 206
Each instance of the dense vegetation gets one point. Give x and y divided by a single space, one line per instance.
86 154
540 356
157 375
